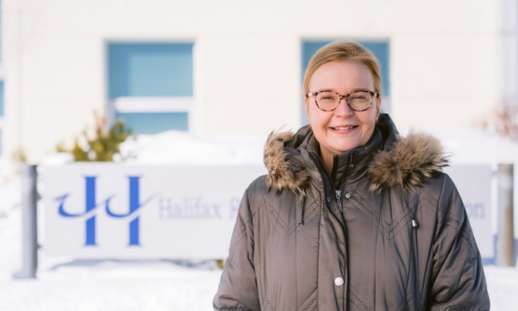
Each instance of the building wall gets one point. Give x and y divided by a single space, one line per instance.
445 65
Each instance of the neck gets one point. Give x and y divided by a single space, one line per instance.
328 159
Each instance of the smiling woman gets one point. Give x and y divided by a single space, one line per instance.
341 127
351 216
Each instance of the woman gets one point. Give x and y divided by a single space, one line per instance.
351 216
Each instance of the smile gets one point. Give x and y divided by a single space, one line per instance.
343 129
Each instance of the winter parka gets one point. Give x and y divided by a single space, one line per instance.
386 230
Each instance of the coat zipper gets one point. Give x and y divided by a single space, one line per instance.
415 226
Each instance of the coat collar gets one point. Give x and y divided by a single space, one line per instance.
393 161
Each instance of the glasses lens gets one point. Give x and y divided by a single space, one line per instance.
327 100
360 101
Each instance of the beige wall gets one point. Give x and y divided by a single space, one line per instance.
445 65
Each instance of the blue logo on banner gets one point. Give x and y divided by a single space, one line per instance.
91 204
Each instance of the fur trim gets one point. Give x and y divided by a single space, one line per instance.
285 168
412 160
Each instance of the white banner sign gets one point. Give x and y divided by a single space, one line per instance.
106 210
475 185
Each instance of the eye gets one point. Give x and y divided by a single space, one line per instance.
326 96
359 96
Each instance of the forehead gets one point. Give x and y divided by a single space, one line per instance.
341 76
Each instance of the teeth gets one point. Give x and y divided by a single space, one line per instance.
344 127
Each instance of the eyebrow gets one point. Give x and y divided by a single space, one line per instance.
352 91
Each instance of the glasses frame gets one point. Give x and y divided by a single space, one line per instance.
340 97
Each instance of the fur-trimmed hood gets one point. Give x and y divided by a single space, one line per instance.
402 161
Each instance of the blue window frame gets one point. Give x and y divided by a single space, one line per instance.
148 70
380 48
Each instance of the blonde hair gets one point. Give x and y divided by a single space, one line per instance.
343 51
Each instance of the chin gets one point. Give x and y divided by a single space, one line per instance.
345 147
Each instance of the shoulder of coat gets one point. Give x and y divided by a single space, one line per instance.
256 188
412 160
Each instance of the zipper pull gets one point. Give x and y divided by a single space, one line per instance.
414 223
338 194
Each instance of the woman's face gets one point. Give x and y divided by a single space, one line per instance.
342 129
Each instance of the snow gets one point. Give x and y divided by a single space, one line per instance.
75 284
173 147
113 286
502 284
183 148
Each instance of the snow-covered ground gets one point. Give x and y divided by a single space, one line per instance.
73 284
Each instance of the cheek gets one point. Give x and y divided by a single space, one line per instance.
369 121
317 124
316 119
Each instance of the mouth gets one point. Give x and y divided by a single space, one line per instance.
343 129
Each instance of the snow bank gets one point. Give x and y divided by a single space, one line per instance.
182 148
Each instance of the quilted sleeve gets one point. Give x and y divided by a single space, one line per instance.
237 288
458 281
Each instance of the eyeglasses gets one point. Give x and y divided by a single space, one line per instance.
359 100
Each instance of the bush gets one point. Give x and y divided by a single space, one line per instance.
103 146
504 121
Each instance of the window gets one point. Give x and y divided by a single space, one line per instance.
380 48
151 85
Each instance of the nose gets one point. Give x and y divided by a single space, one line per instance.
343 108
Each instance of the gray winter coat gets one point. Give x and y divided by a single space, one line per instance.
387 231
